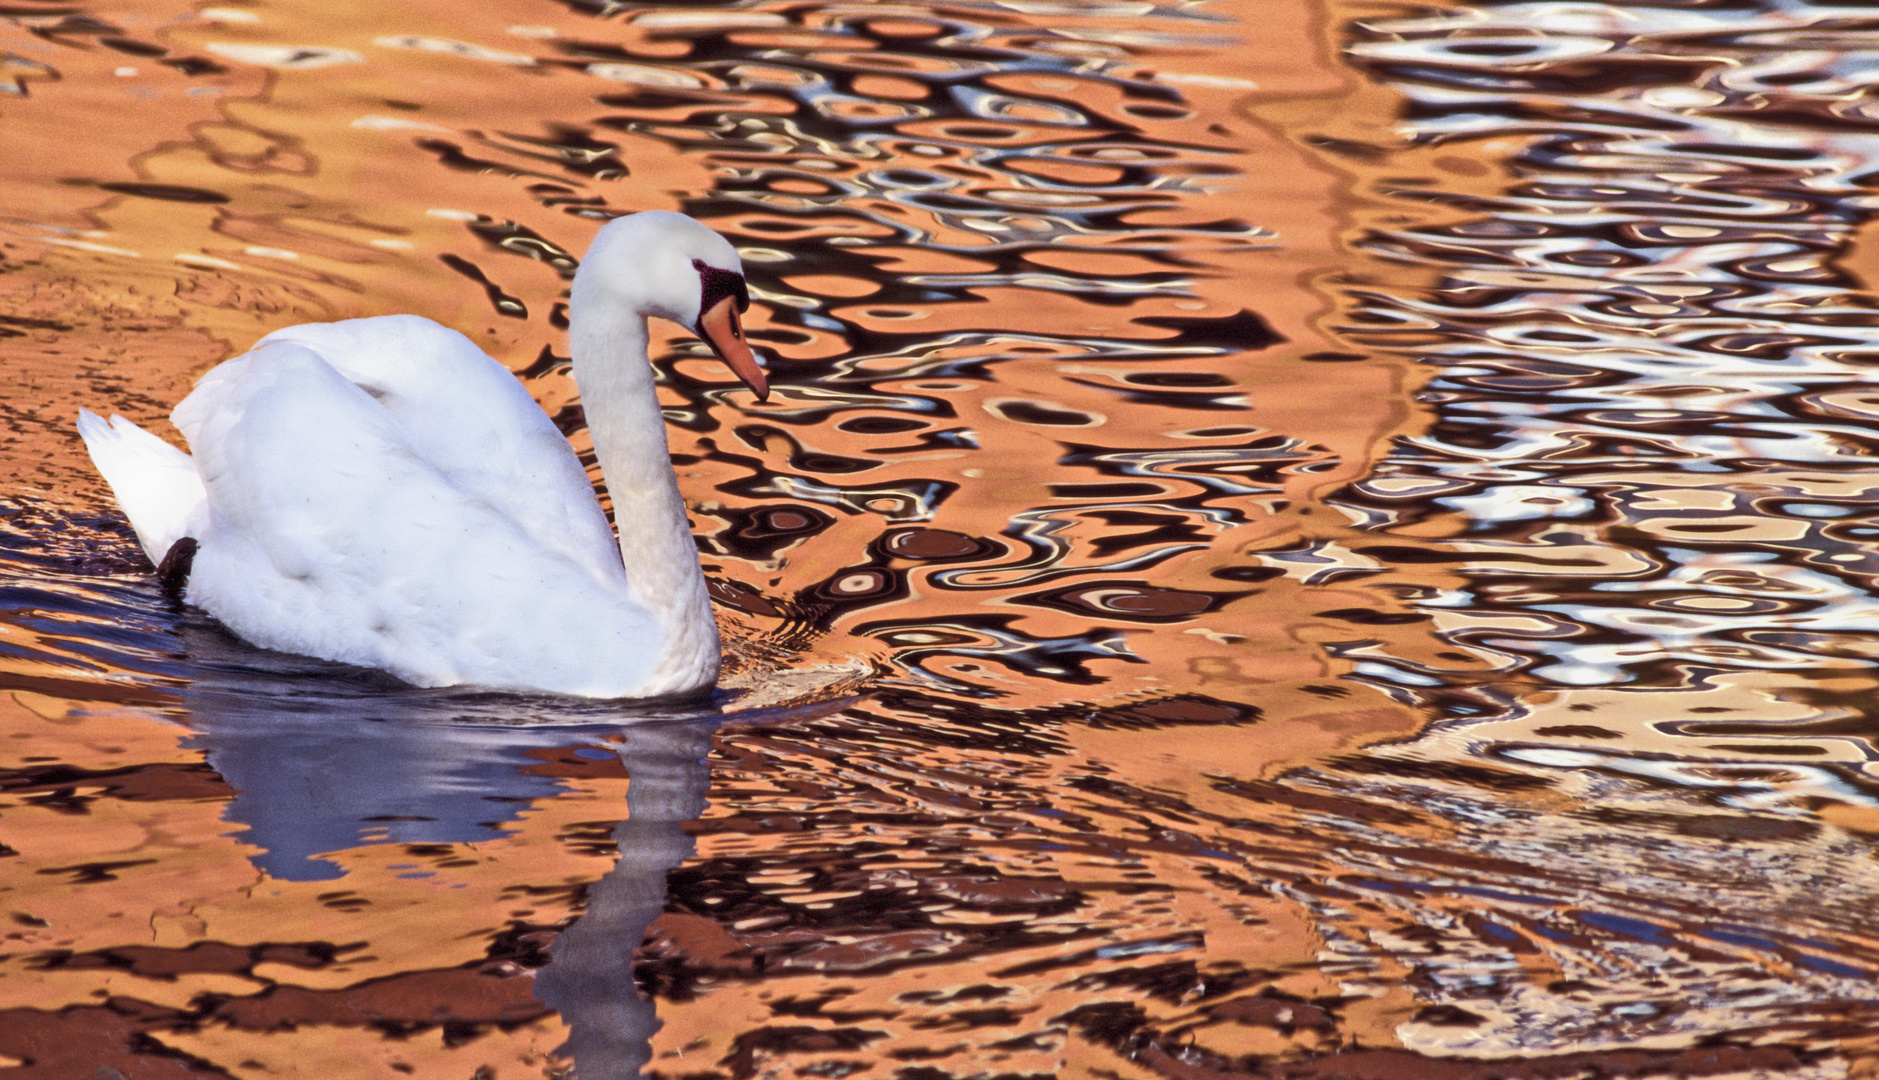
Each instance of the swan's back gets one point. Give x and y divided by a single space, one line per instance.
463 413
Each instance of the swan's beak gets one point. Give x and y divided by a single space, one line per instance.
722 330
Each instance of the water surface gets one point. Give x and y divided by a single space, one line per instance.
1313 539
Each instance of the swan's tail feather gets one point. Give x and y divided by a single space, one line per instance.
155 483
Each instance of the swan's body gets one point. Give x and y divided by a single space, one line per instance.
382 493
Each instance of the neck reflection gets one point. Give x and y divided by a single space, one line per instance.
590 979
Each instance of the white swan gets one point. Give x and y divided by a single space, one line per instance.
380 492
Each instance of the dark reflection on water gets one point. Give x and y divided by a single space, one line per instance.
1227 711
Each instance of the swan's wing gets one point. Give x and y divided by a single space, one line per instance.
329 534
470 419
155 483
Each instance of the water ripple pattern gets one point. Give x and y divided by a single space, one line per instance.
1639 505
1288 541
1650 337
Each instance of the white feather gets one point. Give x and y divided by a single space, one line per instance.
155 483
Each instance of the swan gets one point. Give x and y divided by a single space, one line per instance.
382 493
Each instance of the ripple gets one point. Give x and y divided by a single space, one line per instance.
285 56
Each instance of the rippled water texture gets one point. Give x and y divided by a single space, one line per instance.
1289 540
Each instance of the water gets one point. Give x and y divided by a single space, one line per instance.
1289 540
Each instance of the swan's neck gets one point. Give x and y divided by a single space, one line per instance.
608 343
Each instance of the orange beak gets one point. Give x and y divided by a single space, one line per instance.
722 330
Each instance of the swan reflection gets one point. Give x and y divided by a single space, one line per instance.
590 980
323 759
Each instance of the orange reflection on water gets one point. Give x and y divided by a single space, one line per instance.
1081 498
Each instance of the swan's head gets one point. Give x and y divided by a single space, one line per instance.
666 264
